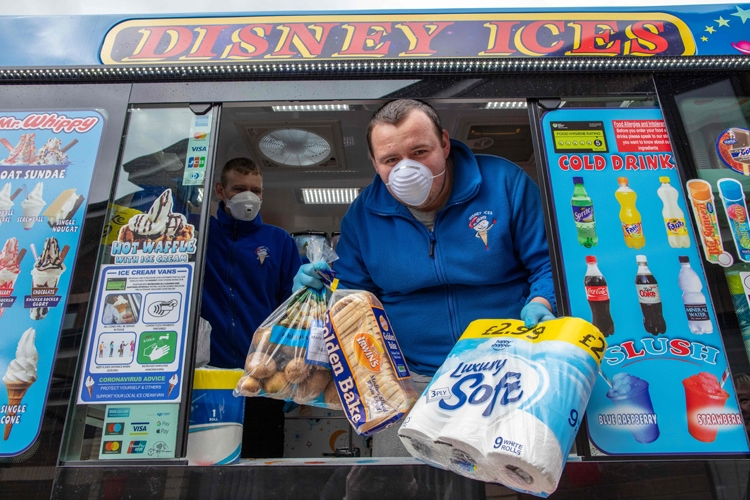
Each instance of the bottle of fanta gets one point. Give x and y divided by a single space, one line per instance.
674 218
630 217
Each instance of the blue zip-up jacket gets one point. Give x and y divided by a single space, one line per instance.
240 291
433 284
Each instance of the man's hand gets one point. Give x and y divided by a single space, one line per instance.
535 312
127 317
308 276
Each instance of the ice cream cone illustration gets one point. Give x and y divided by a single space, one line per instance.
21 374
32 206
46 273
262 253
481 224
90 385
10 261
120 304
172 384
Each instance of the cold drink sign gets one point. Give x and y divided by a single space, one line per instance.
633 269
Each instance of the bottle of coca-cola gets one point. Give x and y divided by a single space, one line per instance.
649 297
597 294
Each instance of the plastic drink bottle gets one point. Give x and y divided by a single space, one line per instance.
649 298
630 217
674 217
583 214
694 300
597 294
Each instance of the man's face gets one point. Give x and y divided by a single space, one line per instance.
413 138
743 395
238 183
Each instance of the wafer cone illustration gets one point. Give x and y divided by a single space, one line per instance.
16 392
483 234
172 384
21 374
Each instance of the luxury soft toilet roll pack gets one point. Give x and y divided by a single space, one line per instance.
507 403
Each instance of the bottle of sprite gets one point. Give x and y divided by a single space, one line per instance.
583 214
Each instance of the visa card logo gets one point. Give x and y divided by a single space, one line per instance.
198 149
114 429
139 429
136 447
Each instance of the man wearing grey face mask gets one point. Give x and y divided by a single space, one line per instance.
248 274
442 237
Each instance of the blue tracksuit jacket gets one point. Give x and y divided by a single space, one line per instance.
433 284
240 291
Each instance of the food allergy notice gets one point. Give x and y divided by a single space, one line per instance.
135 347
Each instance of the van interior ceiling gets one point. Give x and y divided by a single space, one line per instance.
326 148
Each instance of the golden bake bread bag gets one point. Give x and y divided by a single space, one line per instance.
369 370
287 357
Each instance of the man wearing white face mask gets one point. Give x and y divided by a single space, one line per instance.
442 236
249 271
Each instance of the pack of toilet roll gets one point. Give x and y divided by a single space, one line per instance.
507 403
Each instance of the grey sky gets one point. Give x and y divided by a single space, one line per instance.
77 7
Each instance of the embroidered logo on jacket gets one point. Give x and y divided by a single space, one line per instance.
262 253
480 222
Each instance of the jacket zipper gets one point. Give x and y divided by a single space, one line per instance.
232 318
449 289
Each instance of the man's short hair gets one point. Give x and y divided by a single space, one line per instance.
394 112
741 379
240 165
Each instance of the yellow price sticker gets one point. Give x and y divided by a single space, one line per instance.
575 331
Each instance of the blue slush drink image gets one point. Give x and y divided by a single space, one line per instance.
632 400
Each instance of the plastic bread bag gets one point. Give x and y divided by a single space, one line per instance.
369 370
507 403
287 358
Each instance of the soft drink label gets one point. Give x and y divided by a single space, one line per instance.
583 214
597 293
676 227
697 312
632 230
648 294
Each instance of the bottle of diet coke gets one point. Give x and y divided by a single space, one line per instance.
597 294
649 297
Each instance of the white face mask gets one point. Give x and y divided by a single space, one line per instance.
411 182
244 206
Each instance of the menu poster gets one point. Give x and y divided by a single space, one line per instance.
46 165
633 268
136 344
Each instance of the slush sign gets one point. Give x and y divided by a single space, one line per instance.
236 39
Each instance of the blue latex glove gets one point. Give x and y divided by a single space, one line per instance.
534 313
307 276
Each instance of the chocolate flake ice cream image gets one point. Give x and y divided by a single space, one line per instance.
159 224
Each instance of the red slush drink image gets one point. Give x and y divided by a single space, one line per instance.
631 398
703 397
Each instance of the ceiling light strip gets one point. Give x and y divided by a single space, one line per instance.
329 196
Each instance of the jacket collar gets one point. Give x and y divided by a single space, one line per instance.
232 225
466 183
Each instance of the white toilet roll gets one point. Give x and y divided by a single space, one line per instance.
523 453
214 444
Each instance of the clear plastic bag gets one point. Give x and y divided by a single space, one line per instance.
369 369
287 358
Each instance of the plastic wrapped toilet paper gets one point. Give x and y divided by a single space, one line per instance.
507 403
215 431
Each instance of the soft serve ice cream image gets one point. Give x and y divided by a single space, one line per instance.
6 201
10 262
90 385
20 375
46 273
159 224
32 206
172 383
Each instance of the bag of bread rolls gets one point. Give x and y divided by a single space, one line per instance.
369 370
287 357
